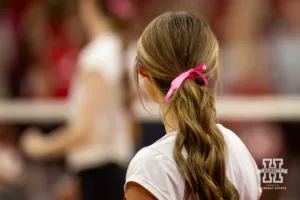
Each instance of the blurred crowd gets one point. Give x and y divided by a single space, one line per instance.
40 41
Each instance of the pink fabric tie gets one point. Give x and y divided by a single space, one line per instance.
188 74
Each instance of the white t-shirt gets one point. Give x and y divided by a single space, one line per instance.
111 137
155 169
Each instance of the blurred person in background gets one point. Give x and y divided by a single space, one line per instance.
244 54
11 167
243 51
97 139
264 62
247 72
8 47
37 80
11 162
284 49
50 38
58 32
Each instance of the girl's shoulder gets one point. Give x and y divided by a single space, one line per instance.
154 168
159 153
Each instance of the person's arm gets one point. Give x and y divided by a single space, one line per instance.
135 191
77 131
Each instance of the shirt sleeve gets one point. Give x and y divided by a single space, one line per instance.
103 54
157 174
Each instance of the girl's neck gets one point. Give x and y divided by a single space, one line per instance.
169 120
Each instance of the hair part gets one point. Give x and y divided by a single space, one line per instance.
171 44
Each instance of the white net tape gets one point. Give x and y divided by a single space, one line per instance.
268 108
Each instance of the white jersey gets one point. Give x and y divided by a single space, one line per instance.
155 169
111 137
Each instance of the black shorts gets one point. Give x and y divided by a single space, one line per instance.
105 182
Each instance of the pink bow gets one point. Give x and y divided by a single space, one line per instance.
188 74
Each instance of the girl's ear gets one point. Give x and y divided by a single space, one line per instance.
143 72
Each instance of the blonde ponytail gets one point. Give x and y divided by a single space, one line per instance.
204 168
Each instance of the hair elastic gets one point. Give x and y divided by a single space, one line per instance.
188 74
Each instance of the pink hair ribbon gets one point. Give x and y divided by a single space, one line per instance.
188 74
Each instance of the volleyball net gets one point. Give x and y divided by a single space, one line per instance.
231 108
